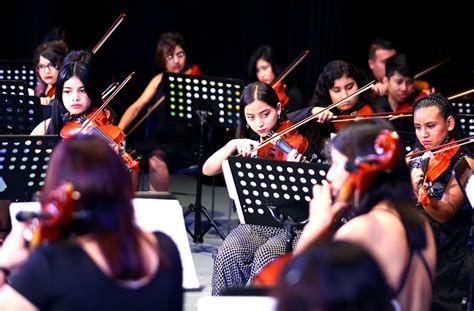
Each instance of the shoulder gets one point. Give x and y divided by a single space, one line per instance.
164 241
371 225
156 80
41 128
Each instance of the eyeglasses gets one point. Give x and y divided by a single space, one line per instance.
50 67
179 55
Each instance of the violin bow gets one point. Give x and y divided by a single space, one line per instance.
461 94
150 110
109 89
376 115
108 33
431 68
454 144
277 136
107 101
290 68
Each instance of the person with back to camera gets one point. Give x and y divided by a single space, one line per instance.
333 276
369 176
93 256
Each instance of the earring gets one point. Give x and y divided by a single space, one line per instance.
247 126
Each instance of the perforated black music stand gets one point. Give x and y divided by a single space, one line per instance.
18 70
14 87
465 112
19 114
23 163
260 187
272 193
219 96
196 98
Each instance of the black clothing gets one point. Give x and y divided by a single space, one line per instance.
60 276
453 254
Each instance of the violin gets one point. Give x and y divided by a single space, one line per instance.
56 212
421 85
364 110
279 86
280 149
51 92
364 169
362 172
194 70
280 89
100 122
432 167
276 136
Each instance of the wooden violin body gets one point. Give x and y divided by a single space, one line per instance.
56 212
437 164
283 145
364 110
280 89
99 122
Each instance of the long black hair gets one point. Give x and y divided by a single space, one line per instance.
252 92
446 110
85 73
392 185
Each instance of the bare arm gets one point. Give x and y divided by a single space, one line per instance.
132 112
213 164
41 128
10 299
452 199
321 216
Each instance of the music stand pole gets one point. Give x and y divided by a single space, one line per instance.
197 207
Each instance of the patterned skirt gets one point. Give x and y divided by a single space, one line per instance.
244 252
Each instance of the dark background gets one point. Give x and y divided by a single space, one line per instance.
222 43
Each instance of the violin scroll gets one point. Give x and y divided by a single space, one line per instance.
57 211
363 169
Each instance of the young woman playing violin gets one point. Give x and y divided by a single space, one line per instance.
48 59
78 96
338 80
91 254
79 101
369 176
263 67
248 248
441 198
167 141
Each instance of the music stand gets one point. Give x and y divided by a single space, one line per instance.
219 96
272 193
23 163
18 70
465 112
259 187
19 114
14 87
195 98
